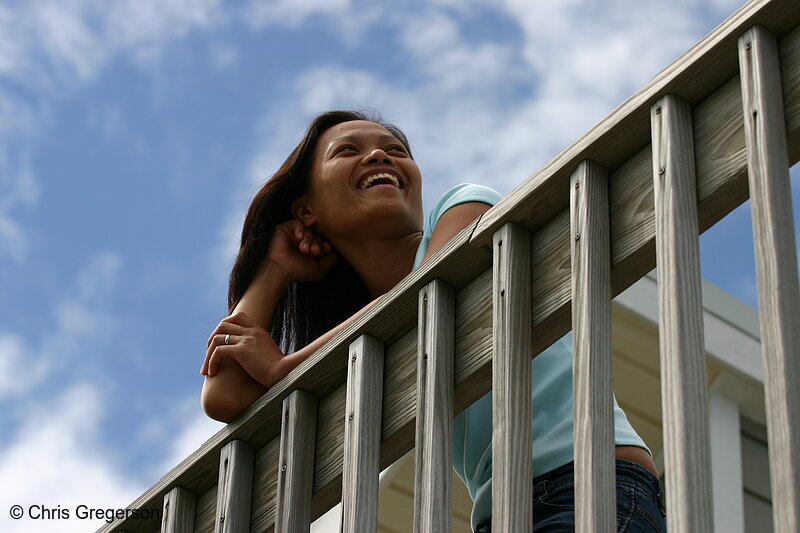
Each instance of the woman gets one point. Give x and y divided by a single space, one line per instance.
340 224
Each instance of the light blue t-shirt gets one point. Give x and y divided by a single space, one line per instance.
551 393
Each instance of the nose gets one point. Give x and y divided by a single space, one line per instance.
378 156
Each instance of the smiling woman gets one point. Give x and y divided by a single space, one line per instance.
340 224
317 246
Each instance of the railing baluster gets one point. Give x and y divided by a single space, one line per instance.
235 488
362 435
776 266
296 464
512 489
683 365
432 492
179 508
592 378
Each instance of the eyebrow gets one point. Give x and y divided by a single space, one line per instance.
357 138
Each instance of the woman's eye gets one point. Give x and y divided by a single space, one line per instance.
345 148
397 148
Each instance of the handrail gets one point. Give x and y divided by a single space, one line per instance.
705 77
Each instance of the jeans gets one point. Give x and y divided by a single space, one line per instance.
640 501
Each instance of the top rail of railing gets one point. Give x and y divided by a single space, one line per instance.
706 77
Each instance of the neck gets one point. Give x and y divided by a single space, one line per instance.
382 263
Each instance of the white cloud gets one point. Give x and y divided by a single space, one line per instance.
449 58
49 48
222 55
292 13
21 372
56 460
50 43
80 319
197 429
65 36
19 189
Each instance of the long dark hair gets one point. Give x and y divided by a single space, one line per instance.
307 309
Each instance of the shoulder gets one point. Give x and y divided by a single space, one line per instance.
454 211
460 194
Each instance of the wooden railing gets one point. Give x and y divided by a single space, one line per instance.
633 192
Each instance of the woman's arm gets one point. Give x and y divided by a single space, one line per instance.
231 384
228 388
295 254
451 222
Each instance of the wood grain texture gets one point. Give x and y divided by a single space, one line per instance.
205 511
179 509
362 435
621 144
683 367
512 471
235 488
434 431
776 266
592 375
265 486
296 464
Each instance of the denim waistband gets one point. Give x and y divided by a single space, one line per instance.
628 473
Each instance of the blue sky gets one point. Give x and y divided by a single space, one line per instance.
133 134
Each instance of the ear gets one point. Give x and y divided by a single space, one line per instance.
301 209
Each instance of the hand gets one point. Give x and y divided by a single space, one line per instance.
300 252
250 345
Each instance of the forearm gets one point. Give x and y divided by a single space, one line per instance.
263 294
231 389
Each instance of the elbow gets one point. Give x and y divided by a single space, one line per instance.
219 406
229 393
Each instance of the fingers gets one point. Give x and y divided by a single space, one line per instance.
309 242
232 327
227 327
215 356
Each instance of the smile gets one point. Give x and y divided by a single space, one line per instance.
378 179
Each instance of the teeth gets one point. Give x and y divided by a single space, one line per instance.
383 175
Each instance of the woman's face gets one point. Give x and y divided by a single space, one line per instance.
363 180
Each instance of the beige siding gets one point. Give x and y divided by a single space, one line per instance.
396 501
755 477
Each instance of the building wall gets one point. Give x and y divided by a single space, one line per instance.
755 478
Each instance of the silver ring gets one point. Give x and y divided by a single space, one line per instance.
227 338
